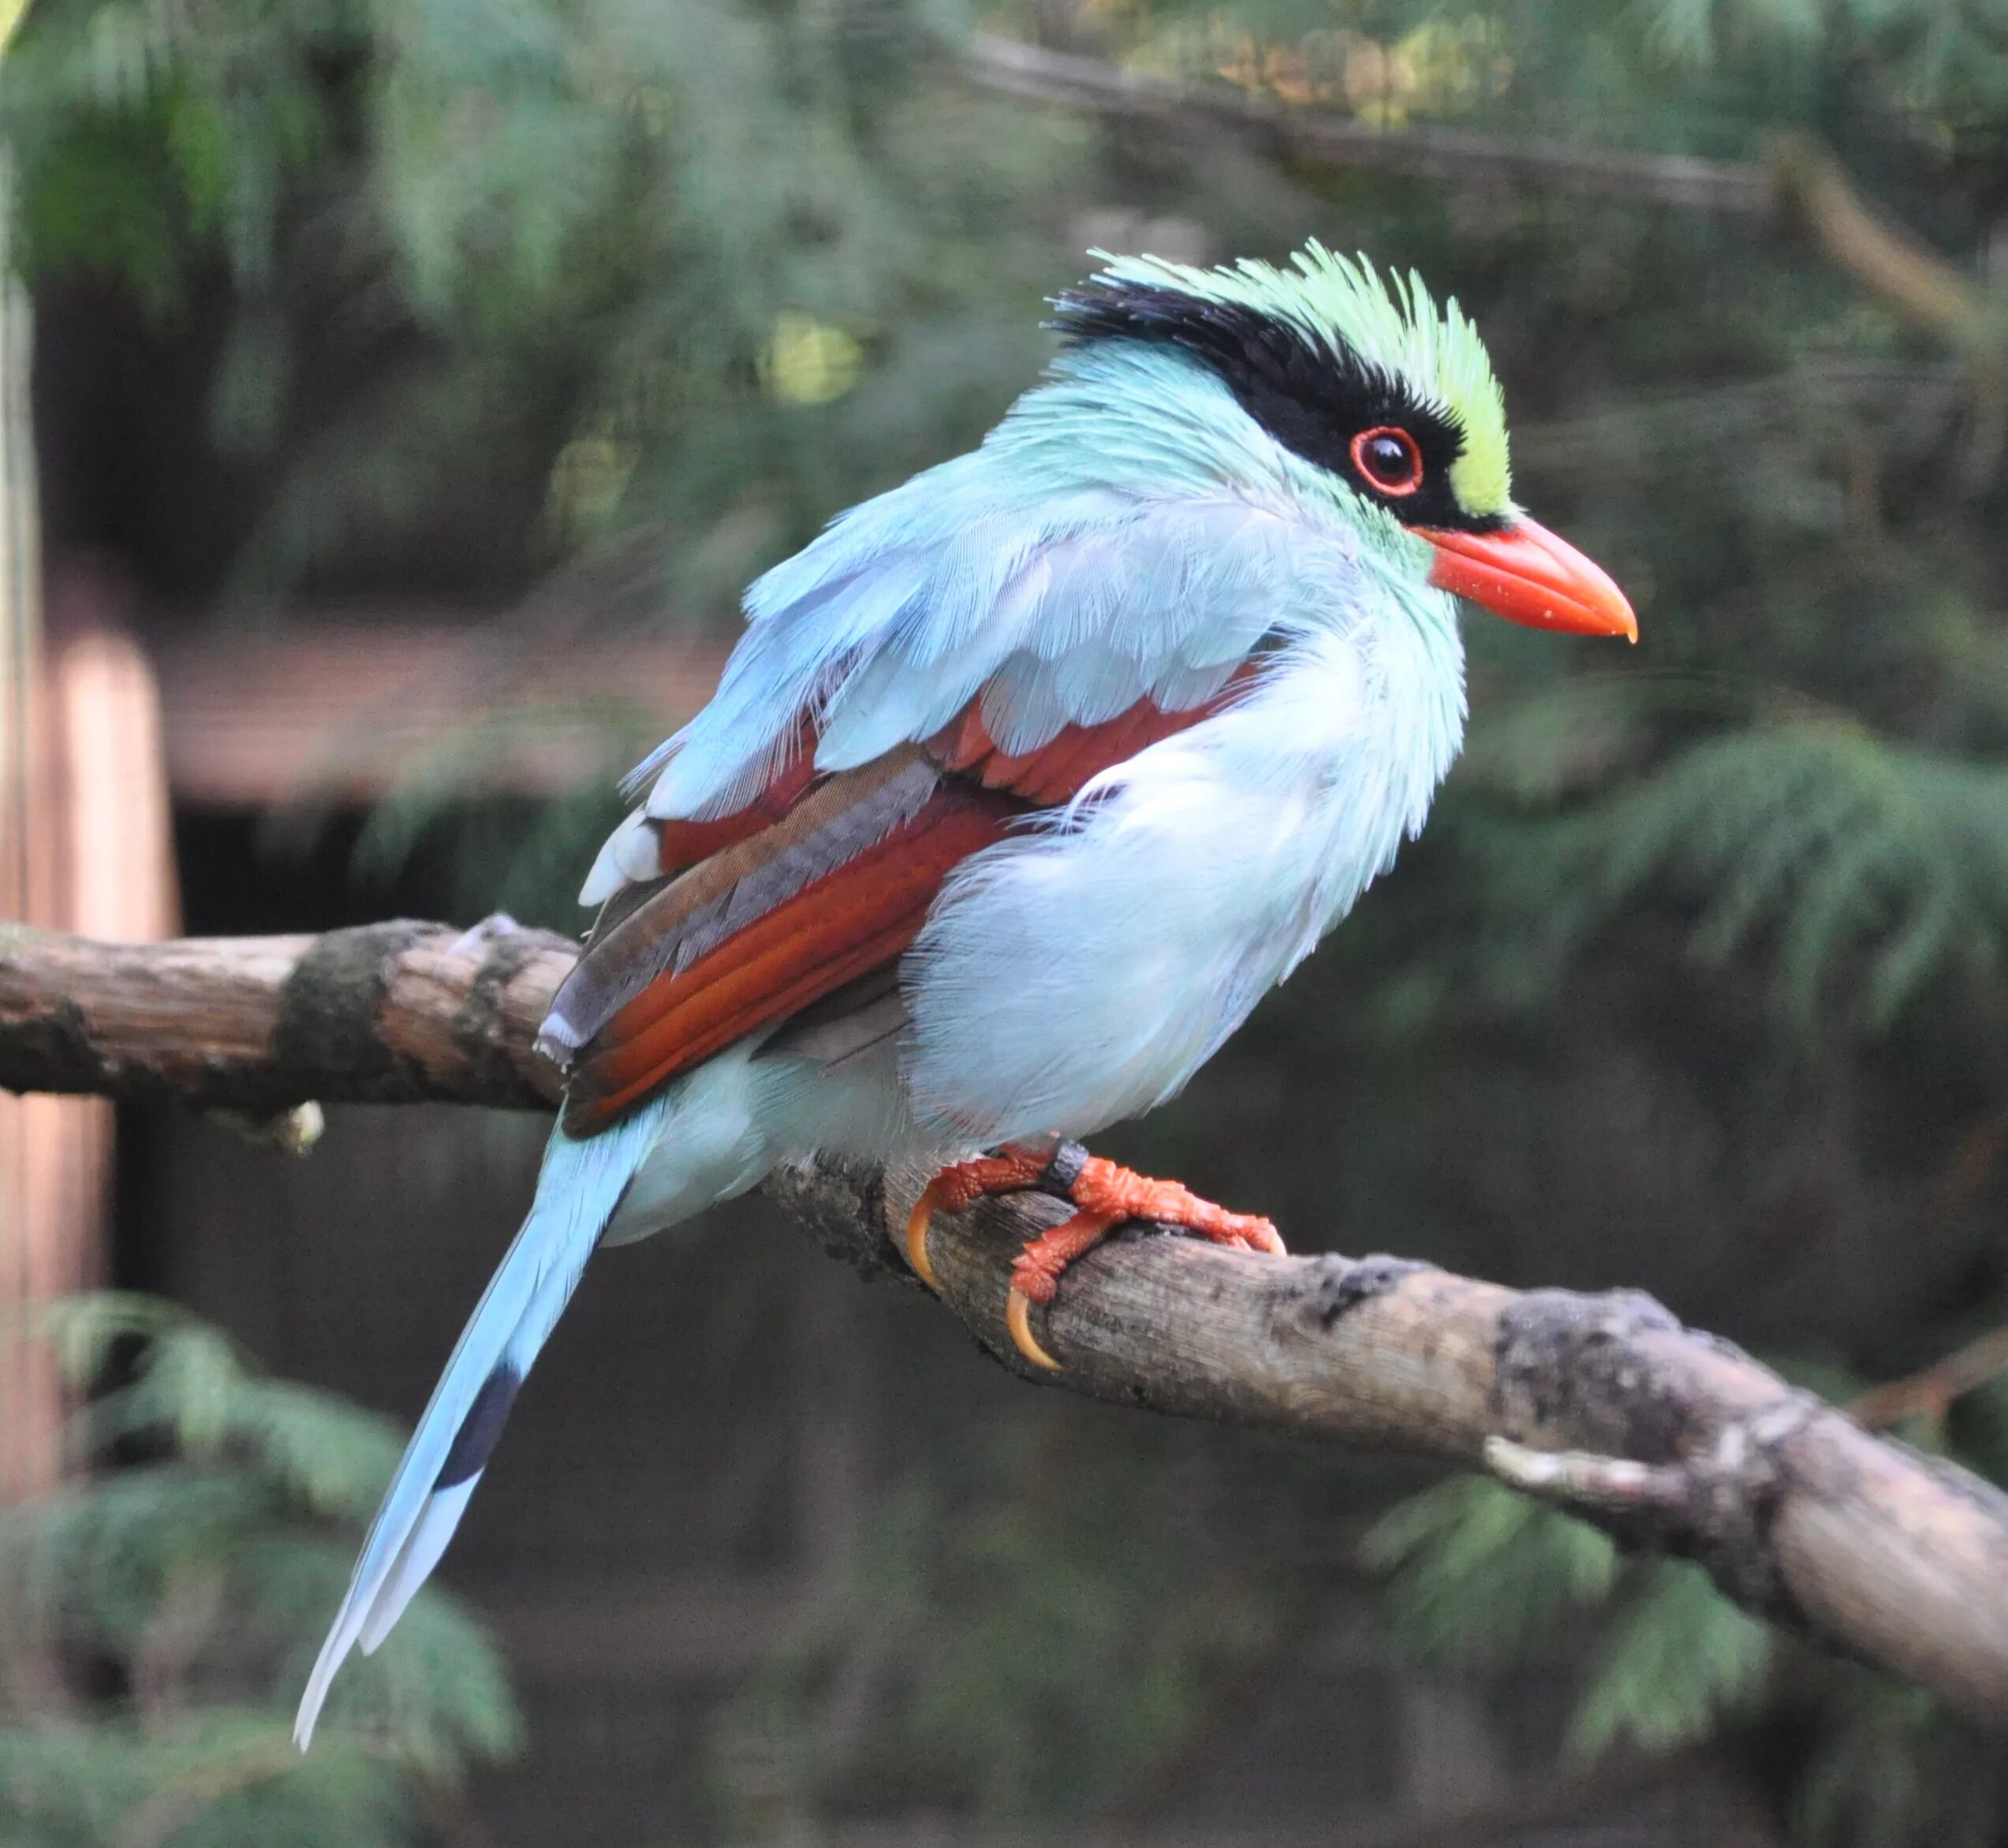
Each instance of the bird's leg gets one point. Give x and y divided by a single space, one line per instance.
1013 1168
1106 1195
1103 1195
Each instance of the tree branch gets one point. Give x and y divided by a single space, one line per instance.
1910 279
397 1013
1799 185
1682 180
1929 1393
1668 1437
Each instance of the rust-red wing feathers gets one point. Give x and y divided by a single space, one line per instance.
1055 772
681 845
819 880
840 927
665 926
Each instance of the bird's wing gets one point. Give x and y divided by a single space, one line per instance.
764 928
822 894
892 710
887 628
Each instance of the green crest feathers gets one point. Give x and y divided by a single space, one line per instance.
1390 323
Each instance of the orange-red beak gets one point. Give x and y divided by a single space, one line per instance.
1528 574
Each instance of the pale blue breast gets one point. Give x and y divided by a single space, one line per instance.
1081 973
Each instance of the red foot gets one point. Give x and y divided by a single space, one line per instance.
1035 1275
1104 1188
958 1186
1107 1196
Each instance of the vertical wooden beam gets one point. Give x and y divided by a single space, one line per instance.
38 1161
84 845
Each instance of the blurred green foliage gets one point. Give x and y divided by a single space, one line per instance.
654 246
1697 981
1478 1570
163 1603
1003 1645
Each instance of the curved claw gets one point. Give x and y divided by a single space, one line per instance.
957 1185
1017 1318
916 1237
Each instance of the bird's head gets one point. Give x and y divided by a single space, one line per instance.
1391 402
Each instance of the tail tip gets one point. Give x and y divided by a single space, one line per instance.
334 1651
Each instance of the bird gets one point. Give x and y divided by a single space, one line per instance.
1025 781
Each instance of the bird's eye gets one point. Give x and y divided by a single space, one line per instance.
1388 459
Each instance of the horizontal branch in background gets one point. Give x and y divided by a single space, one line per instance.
1605 1405
337 706
1799 186
1113 89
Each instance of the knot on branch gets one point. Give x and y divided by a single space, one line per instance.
1715 1506
331 1003
1670 1471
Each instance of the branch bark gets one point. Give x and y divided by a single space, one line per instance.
1606 1405
397 1013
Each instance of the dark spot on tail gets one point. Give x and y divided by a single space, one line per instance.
476 1439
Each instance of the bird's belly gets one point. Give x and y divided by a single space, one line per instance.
1070 978
1089 1041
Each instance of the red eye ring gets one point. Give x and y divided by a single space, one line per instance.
1388 460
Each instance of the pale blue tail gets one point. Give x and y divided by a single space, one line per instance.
579 1186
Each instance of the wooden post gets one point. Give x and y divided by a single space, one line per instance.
39 1163
84 845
